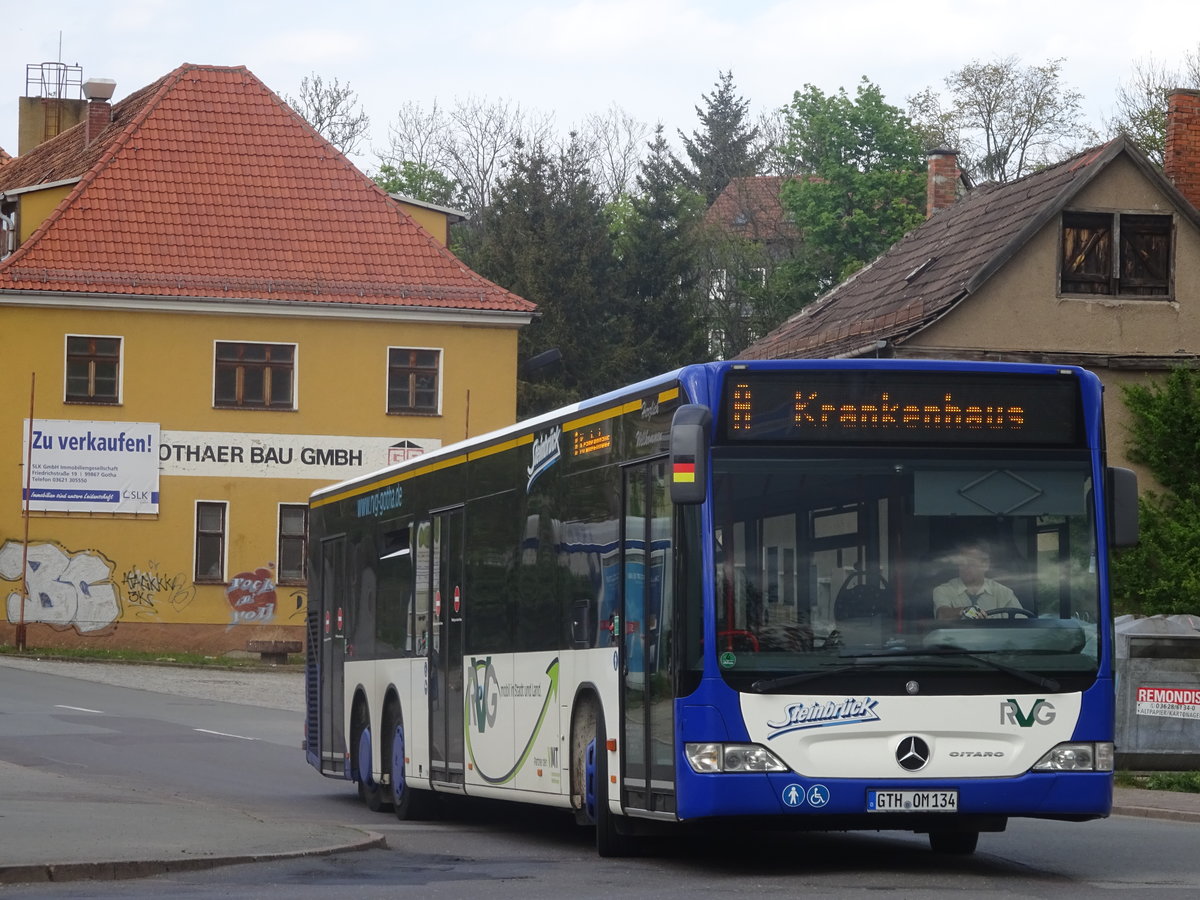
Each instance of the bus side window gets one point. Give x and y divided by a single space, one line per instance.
395 592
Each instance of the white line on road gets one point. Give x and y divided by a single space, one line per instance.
240 737
79 709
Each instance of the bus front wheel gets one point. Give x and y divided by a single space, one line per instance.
610 840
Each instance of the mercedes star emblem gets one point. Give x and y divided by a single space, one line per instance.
912 754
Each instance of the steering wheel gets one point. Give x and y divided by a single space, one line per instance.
1012 612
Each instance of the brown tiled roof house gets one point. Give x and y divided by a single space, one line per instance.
1094 261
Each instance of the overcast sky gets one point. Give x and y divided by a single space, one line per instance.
652 58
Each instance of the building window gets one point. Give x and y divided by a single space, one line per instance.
254 376
210 542
414 382
1118 254
93 369
293 543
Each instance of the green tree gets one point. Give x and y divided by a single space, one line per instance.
417 181
1162 573
860 187
545 236
724 147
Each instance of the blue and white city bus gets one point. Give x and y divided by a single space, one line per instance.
721 596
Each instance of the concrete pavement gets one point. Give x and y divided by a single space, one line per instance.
1173 805
57 828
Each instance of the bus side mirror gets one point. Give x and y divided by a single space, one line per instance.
689 454
1123 506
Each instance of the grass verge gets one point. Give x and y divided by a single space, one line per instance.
142 656
1187 782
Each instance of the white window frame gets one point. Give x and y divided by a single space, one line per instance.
295 405
120 339
387 378
279 536
224 577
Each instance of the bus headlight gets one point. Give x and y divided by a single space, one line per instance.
708 758
1077 757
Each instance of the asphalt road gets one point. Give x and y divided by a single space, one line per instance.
139 756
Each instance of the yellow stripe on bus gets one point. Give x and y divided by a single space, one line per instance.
484 452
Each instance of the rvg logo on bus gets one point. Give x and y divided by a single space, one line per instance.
1041 713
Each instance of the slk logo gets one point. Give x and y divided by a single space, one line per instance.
1041 713
912 754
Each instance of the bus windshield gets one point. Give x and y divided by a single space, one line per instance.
912 573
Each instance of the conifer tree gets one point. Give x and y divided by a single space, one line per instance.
546 237
724 147
660 269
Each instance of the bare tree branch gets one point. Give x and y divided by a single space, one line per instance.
332 109
1141 101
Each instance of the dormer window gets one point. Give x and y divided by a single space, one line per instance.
1116 254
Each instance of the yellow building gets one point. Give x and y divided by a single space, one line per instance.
211 313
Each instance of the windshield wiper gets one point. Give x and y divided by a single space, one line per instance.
1048 684
950 650
769 684
879 659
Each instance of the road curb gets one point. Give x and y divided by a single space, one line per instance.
1149 812
42 873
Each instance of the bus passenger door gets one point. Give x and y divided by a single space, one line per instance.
332 655
446 648
647 613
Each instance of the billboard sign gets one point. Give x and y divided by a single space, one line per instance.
80 466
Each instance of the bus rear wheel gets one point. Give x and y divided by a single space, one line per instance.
369 792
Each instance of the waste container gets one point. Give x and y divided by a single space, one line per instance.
1158 692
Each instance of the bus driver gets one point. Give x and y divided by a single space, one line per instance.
972 595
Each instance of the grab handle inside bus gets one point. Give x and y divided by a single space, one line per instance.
689 454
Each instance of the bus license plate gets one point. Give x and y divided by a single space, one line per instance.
912 801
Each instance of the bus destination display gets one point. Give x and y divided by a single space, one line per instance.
908 407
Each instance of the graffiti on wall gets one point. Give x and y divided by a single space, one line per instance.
299 607
150 589
66 589
252 596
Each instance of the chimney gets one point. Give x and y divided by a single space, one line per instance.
1181 156
942 188
99 112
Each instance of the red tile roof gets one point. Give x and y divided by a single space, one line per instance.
207 185
749 207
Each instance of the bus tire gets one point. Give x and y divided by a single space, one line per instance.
408 803
369 792
611 841
953 843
